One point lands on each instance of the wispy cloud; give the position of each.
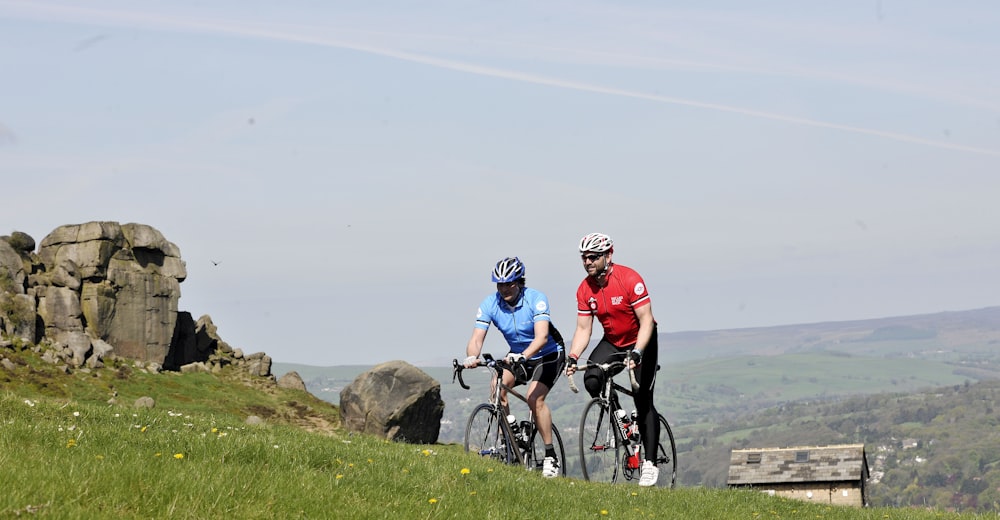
(319, 36)
(90, 42)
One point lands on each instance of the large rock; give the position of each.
(293, 381)
(17, 310)
(395, 401)
(12, 273)
(126, 280)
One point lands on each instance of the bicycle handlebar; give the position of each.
(457, 368)
(456, 372)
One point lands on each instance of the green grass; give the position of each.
(67, 452)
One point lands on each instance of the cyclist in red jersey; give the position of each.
(617, 296)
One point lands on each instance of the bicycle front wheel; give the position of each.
(666, 455)
(600, 447)
(486, 437)
(536, 453)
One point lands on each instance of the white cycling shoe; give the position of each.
(648, 474)
(550, 467)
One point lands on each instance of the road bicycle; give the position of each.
(610, 442)
(490, 434)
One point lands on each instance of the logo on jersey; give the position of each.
(639, 288)
(540, 306)
(617, 300)
(479, 313)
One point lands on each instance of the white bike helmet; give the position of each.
(508, 270)
(596, 243)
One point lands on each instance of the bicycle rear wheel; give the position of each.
(535, 456)
(485, 436)
(666, 455)
(600, 446)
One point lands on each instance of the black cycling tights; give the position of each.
(645, 375)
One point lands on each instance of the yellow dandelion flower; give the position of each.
(604, 512)
(100, 457)
(427, 453)
(70, 443)
(143, 429)
(339, 476)
(178, 456)
(466, 471)
(351, 465)
(215, 430)
(472, 493)
(433, 501)
(159, 454)
(490, 470)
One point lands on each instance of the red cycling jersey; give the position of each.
(614, 304)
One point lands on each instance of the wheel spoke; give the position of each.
(484, 435)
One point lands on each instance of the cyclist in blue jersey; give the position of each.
(536, 350)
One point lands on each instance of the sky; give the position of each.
(341, 177)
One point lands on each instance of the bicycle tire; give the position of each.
(666, 461)
(600, 443)
(485, 436)
(535, 455)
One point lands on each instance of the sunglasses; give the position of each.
(591, 257)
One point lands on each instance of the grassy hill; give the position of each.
(75, 445)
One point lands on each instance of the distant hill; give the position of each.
(946, 335)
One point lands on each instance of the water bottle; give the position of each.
(634, 427)
(525, 431)
(623, 417)
(512, 421)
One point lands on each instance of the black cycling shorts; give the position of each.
(545, 369)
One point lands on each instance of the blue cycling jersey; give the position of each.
(517, 324)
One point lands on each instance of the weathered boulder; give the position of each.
(17, 307)
(293, 381)
(395, 401)
(22, 242)
(126, 283)
(11, 269)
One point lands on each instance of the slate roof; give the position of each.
(838, 463)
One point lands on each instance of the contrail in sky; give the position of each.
(272, 32)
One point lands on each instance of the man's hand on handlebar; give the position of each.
(634, 358)
(471, 362)
(570, 366)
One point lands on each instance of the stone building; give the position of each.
(826, 474)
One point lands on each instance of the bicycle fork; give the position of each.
(630, 446)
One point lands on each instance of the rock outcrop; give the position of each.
(395, 401)
(102, 288)
(118, 283)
